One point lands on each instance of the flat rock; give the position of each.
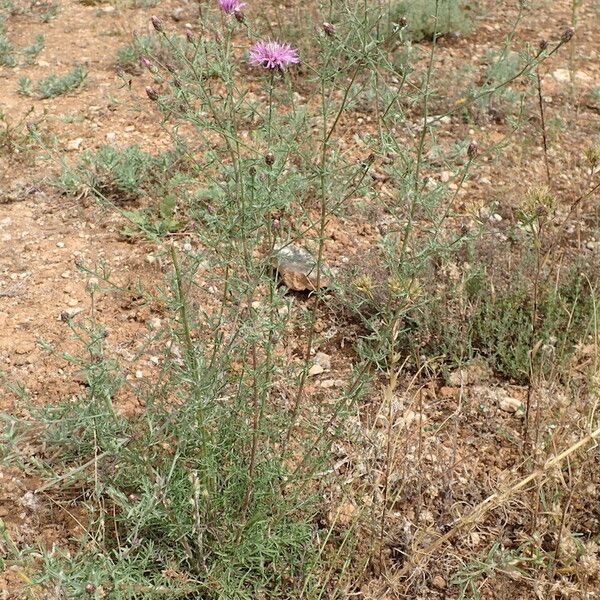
(298, 269)
(474, 373)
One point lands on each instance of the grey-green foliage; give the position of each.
(7, 49)
(167, 491)
(128, 57)
(56, 85)
(453, 17)
(32, 51)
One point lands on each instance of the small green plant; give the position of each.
(7, 49)
(120, 176)
(128, 57)
(25, 86)
(57, 85)
(421, 23)
(32, 51)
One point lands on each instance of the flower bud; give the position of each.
(156, 23)
(90, 588)
(152, 94)
(329, 29)
(567, 34)
(189, 34)
(543, 45)
(269, 159)
(145, 63)
(239, 16)
(473, 150)
(402, 22)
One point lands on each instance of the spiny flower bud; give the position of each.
(239, 16)
(152, 94)
(145, 63)
(189, 34)
(329, 29)
(90, 588)
(402, 22)
(156, 23)
(269, 159)
(567, 34)
(543, 45)
(473, 150)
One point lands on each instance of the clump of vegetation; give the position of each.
(7, 49)
(128, 57)
(120, 175)
(32, 51)
(180, 512)
(420, 17)
(57, 85)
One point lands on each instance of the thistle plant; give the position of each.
(213, 490)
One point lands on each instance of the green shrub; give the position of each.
(420, 16)
(56, 85)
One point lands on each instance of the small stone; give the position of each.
(177, 15)
(24, 347)
(72, 302)
(323, 360)
(343, 515)
(75, 144)
(139, 374)
(471, 374)
(65, 274)
(447, 391)
(445, 176)
(154, 323)
(111, 136)
(509, 404)
(439, 582)
(43, 63)
(315, 370)
(298, 269)
(60, 244)
(129, 128)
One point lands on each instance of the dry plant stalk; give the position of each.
(489, 504)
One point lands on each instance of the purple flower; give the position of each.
(231, 6)
(273, 55)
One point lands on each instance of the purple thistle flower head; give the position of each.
(273, 55)
(231, 6)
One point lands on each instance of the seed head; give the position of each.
(473, 150)
(269, 159)
(329, 29)
(152, 94)
(567, 34)
(273, 55)
(156, 23)
(402, 22)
